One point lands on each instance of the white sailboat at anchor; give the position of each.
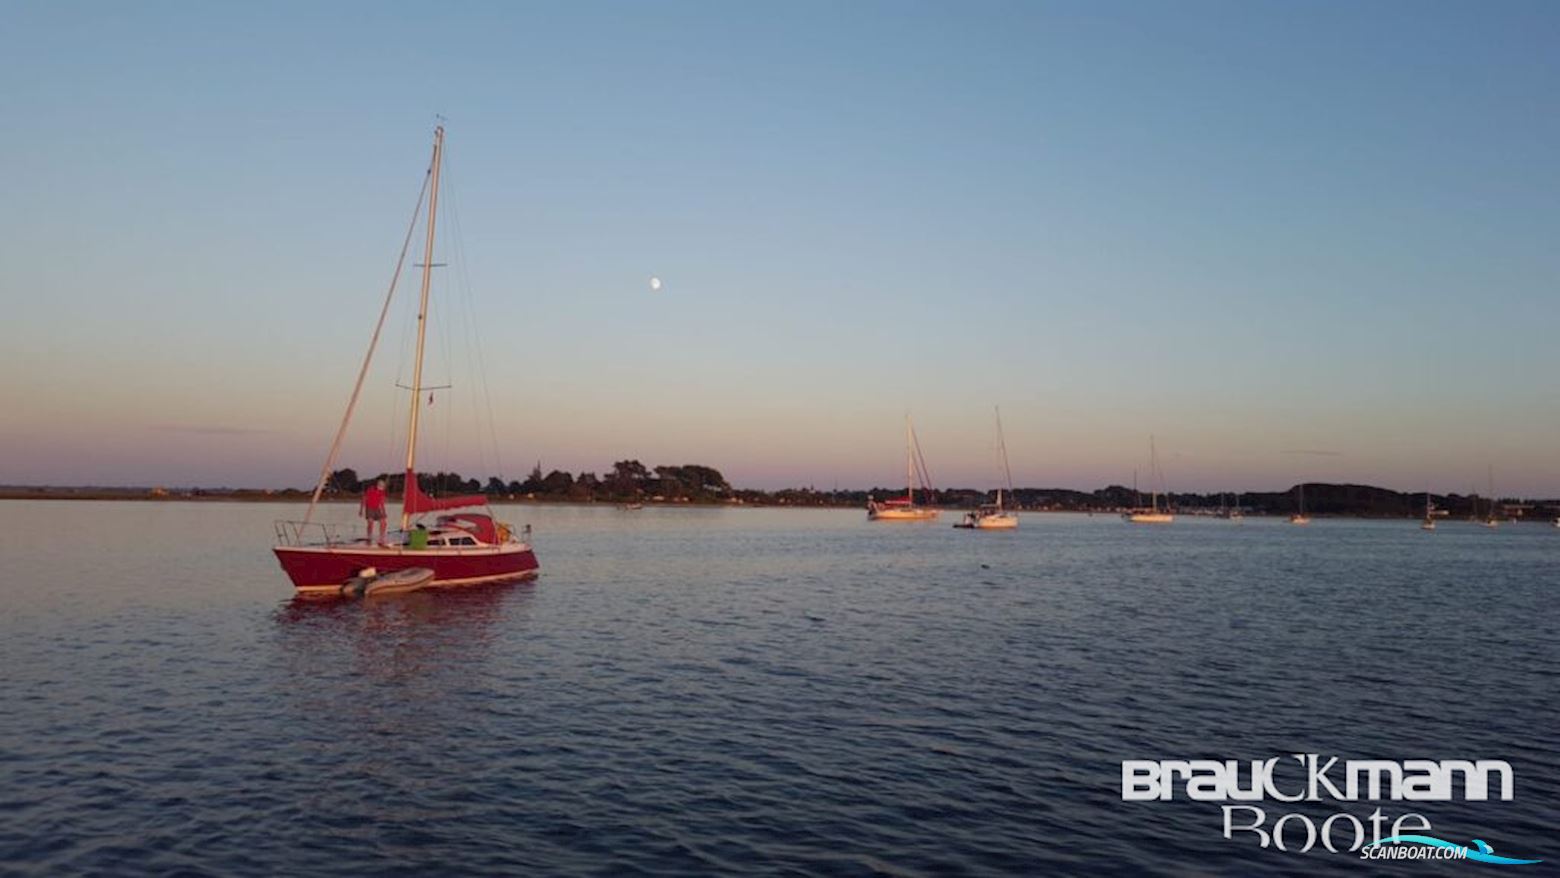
(905, 508)
(1490, 521)
(994, 516)
(1153, 514)
(1299, 516)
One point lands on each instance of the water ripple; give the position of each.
(755, 691)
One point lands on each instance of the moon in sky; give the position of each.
(655, 284)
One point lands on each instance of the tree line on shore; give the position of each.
(629, 481)
(626, 481)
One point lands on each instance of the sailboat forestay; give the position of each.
(463, 548)
(994, 516)
(905, 508)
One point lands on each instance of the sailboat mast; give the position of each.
(422, 329)
(1007, 473)
(1153, 470)
(909, 462)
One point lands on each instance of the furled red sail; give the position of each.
(417, 502)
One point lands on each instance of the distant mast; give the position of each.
(1007, 472)
(422, 332)
(1153, 470)
(1490, 520)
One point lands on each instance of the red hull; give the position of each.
(324, 569)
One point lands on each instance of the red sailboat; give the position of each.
(462, 548)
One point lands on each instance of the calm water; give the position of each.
(770, 691)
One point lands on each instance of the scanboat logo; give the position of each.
(1443, 850)
(1310, 779)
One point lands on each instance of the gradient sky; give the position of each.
(1248, 228)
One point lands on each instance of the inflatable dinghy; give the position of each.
(369, 582)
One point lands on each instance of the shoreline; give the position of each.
(302, 497)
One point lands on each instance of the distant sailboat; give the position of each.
(1232, 512)
(1429, 522)
(1299, 516)
(1151, 515)
(905, 508)
(994, 516)
(1490, 520)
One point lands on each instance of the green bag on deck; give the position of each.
(417, 539)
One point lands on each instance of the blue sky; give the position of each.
(1247, 228)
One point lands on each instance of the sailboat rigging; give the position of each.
(1490, 520)
(1151, 515)
(461, 549)
(905, 508)
(994, 516)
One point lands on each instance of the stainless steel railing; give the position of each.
(299, 533)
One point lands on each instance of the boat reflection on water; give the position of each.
(419, 634)
(369, 694)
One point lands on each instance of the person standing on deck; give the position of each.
(373, 509)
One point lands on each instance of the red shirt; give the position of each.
(374, 497)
